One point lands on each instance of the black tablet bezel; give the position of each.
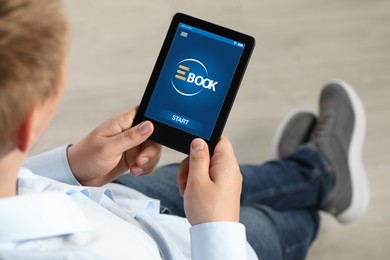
(175, 138)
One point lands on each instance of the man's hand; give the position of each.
(113, 148)
(211, 187)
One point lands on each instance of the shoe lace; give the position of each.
(320, 128)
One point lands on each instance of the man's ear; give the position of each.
(25, 134)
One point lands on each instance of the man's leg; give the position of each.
(301, 180)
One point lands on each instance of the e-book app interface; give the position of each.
(194, 80)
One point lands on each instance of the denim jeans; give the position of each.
(279, 201)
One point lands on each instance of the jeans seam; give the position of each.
(293, 247)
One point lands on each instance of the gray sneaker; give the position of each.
(339, 135)
(294, 130)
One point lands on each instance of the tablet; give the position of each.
(194, 82)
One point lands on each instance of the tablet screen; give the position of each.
(194, 80)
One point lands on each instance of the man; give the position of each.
(52, 207)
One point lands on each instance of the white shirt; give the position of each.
(55, 218)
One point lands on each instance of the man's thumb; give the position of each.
(133, 137)
(199, 164)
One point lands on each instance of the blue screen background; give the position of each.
(201, 110)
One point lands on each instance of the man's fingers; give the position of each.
(223, 161)
(147, 158)
(149, 155)
(183, 171)
(223, 152)
(183, 175)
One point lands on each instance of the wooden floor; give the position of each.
(300, 45)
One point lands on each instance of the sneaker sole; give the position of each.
(360, 189)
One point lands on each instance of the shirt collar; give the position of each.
(39, 215)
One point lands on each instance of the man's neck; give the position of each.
(10, 164)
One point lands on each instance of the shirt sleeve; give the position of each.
(218, 240)
(52, 164)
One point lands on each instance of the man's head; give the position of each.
(33, 46)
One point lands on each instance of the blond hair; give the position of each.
(33, 43)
